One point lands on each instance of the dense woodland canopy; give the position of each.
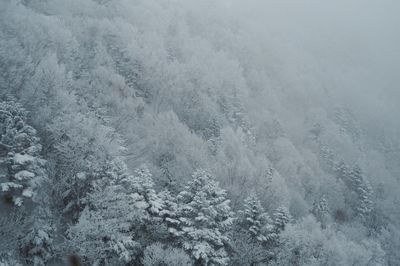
(171, 132)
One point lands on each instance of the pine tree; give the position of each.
(255, 220)
(363, 191)
(280, 218)
(354, 179)
(23, 168)
(142, 182)
(169, 213)
(205, 218)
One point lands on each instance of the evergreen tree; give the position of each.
(24, 177)
(281, 218)
(142, 182)
(169, 213)
(354, 179)
(255, 220)
(205, 218)
(364, 192)
(22, 170)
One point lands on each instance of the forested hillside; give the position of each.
(186, 132)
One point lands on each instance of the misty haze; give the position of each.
(199, 132)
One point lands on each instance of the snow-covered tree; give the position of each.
(359, 187)
(169, 212)
(306, 243)
(103, 236)
(255, 220)
(102, 233)
(321, 210)
(364, 191)
(7, 260)
(22, 169)
(205, 218)
(246, 251)
(142, 183)
(24, 177)
(36, 247)
(189, 84)
(74, 196)
(12, 226)
(118, 211)
(157, 254)
(80, 147)
(281, 218)
(240, 119)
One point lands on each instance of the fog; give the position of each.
(348, 48)
(185, 132)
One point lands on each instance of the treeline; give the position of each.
(116, 217)
(107, 215)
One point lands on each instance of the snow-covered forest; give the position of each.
(199, 132)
